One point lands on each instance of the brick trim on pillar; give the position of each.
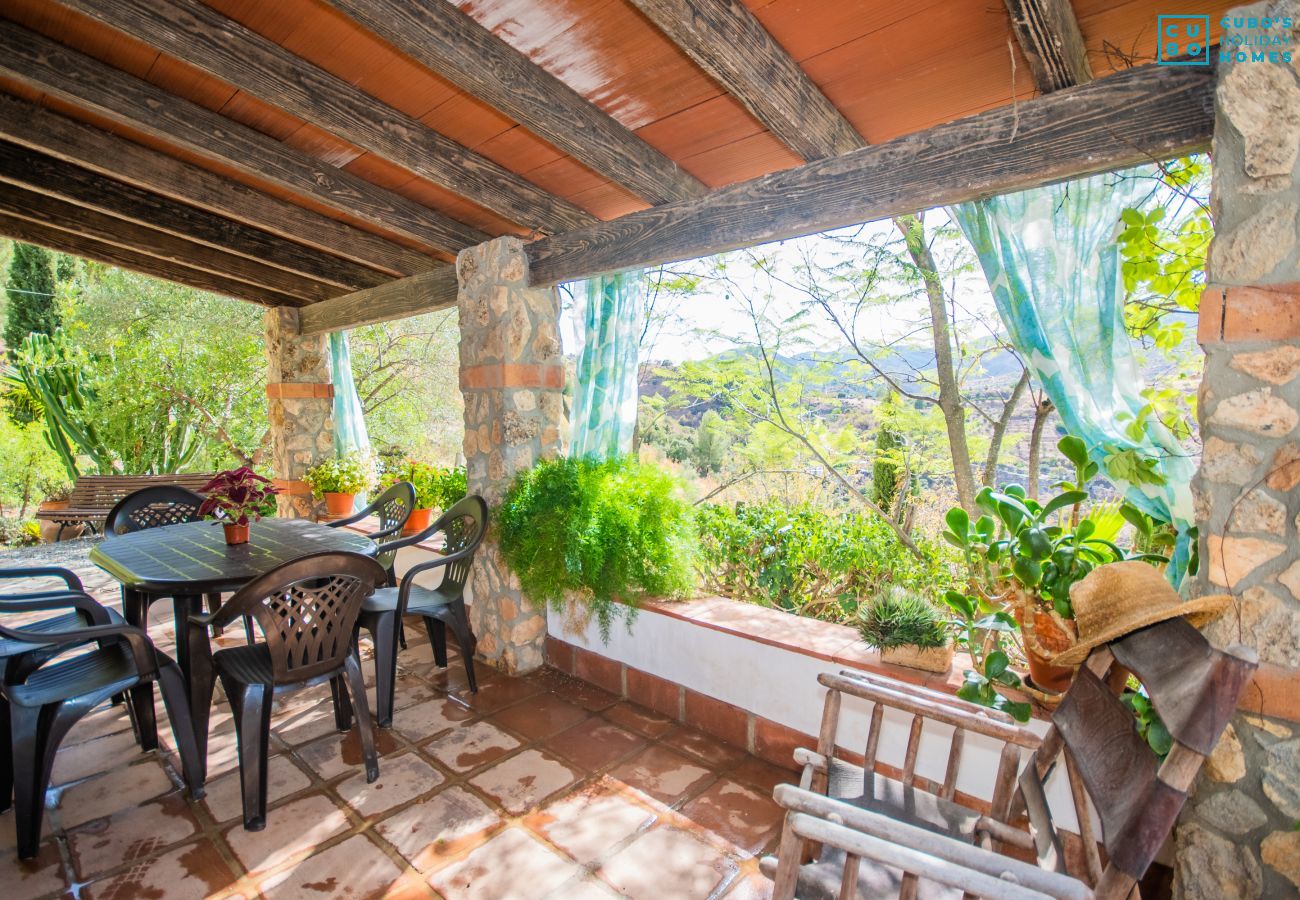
(300, 406)
(511, 375)
(1238, 832)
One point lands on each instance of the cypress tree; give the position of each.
(885, 470)
(30, 289)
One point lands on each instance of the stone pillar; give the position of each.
(300, 400)
(1237, 837)
(512, 375)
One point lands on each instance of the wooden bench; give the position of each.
(93, 496)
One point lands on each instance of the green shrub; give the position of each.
(612, 531)
(352, 473)
(810, 561)
(19, 532)
(899, 618)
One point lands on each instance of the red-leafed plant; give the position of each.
(237, 496)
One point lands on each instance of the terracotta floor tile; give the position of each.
(587, 824)
(78, 761)
(662, 773)
(301, 724)
(112, 792)
(290, 830)
(511, 865)
(471, 746)
(454, 680)
(408, 692)
(740, 814)
(104, 720)
(750, 886)
(354, 868)
(583, 693)
(140, 832)
(667, 862)
(595, 744)
(437, 828)
(22, 880)
(198, 867)
(432, 717)
(496, 694)
(639, 719)
(589, 889)
(283, 778)
(519, 783)
(706, 748)
(340, 753)
(402, 777)
(761, 775)
(540, 717)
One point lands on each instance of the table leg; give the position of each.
(194, 654)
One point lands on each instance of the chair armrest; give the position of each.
(69, 577)
(142, 648)
(408, 578)
(925, 853)
(83, 603)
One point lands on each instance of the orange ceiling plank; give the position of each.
(746, 158)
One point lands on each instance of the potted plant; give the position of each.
(426, 479)
(339, 480)
(57, 495)
(907, 630)
(235, 498)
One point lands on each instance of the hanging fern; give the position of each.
(610, 531)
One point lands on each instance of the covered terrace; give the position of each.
(343, 162)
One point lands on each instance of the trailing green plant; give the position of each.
(608, 531)
(351, 473)
(809, 561)
(901, 618)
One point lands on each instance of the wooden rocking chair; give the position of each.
(870, 843)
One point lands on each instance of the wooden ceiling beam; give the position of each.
(44, 210)
(75, 78)
(1135, 116)
(419, 294)
(239, 56)
(1048, 33)
(96, 150)
(78, 245)
(54, 178)
(726, 40)
(441, 37)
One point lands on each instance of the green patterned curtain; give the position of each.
(349, 420)
(605, 393)
(1052, 263)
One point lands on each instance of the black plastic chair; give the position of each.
(307, 610)
(155, 507)
(393, 507)
(37, 713)
(464, 526)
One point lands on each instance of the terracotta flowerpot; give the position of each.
(235, 534)
(927, 659)
(1043, 634)
(419, 520)
(340, 504)
(50, 530)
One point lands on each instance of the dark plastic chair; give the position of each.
(307, 610)
(37, 713)
(393, 507)
(154, 507)
(381, 614)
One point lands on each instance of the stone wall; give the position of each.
(512, 376)
(1238, 837)
(300, 402)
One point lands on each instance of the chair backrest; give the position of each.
(153, 507)
(1194, 688)
(393, 507)
(464, 526)
(307, 610)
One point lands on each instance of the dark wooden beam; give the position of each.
(727, 41)
(441, 37)
(423, 293)
(73, 184)
(78, 79)
(65, 242)
(96, 150)
(1048, 33)
(1135, 116)
(204, 38)
(166, 248)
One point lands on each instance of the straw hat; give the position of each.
(1119, 598)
